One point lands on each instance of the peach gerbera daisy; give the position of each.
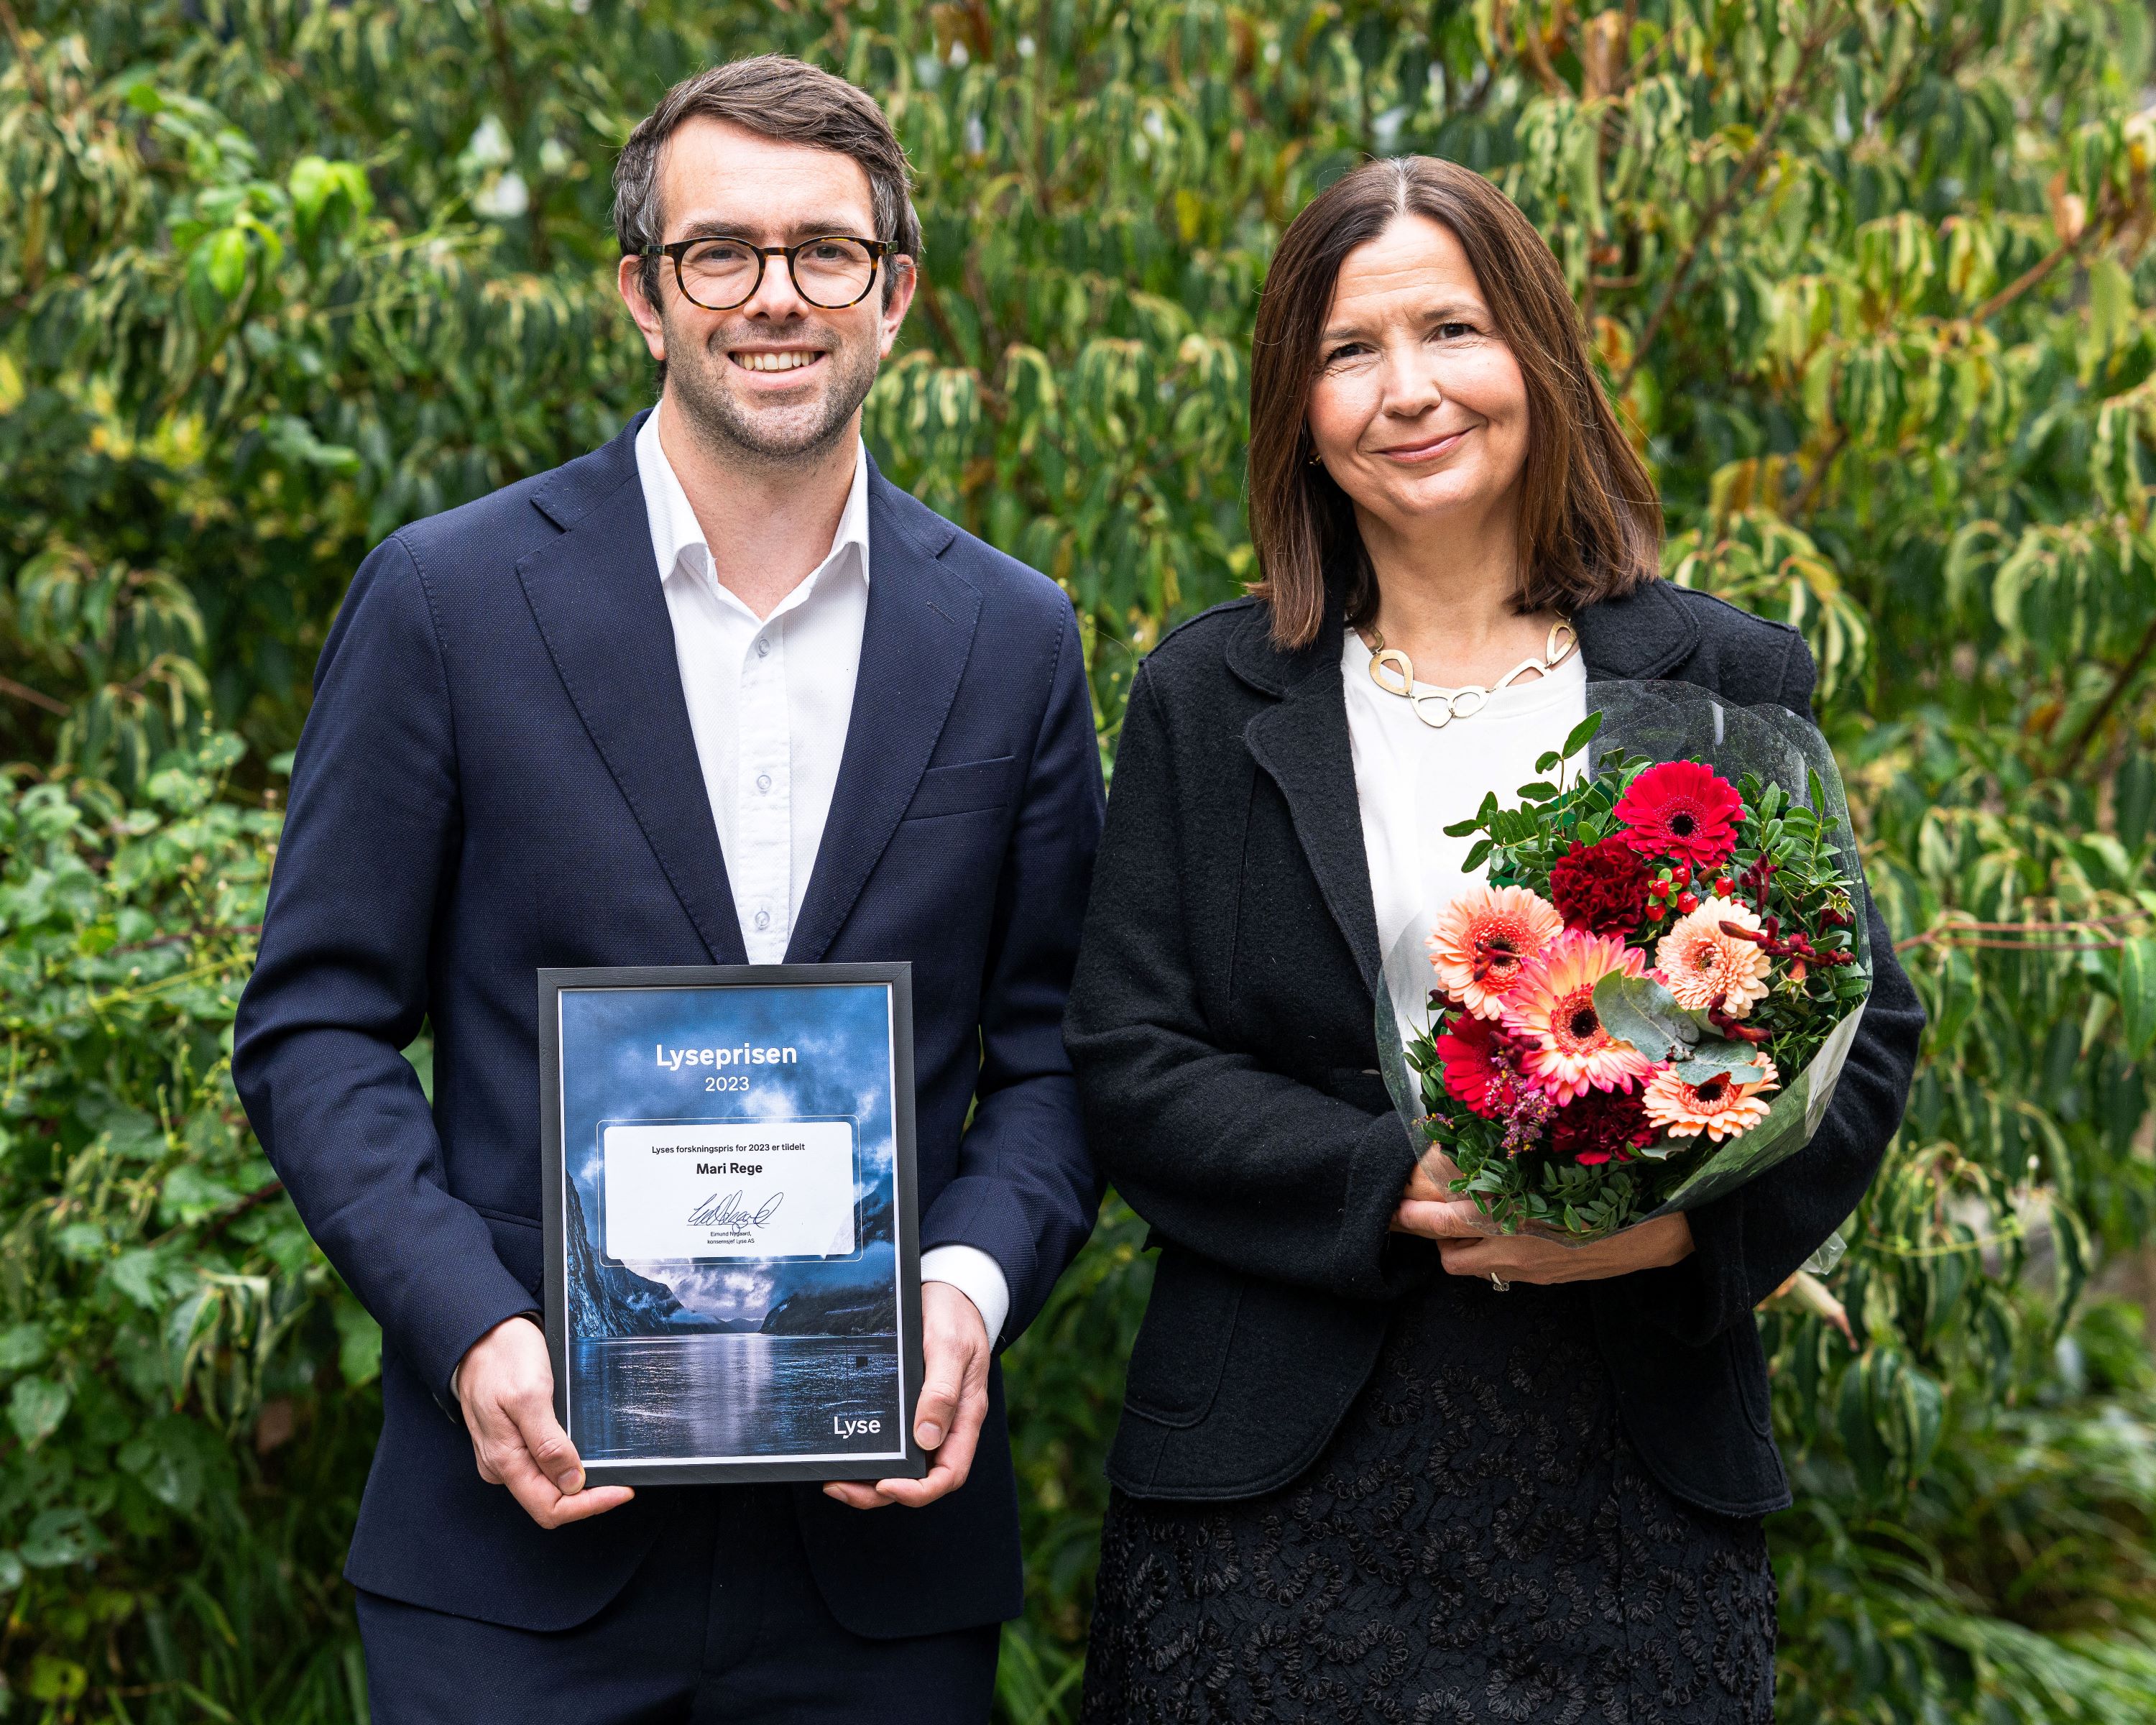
(1719, 1108)
(1482, 939)
(1551, 1009)
(1704, 966)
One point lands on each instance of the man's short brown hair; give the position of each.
(775, 97)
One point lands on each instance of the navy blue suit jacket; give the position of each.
(498, 774)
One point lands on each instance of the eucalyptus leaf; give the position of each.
(1713, 1057)
(1640, 1010)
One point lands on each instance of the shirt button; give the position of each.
(763, 919)
(763, 781)
(763, 648)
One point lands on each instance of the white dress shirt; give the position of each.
(1413, 781)
(769, 700)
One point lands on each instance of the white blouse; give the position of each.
(1414, 781)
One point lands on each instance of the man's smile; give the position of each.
(774, 359)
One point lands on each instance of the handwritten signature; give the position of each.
(729, 1212)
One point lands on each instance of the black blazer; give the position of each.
(1221, 1024)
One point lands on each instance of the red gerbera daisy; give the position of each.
(1599, 1125)
(1601, 888)
(1481, 1069)
(1681, 809)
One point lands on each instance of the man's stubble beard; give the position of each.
(716, 417)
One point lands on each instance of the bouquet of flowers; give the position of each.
(1649, 1001)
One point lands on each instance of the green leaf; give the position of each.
(2137, 994)
(2134, 793)
(226, 262)
(36, 1408)
(1714, 1057)
(1581, 735)
(359, 1343)
(2111, 302)
(59, 1535)
(22, 1346)
(139, 1276)
(167, 1456)
(1640, 1010)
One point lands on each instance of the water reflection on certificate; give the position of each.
(732, 1273)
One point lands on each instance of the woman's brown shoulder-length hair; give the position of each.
(1590, 525)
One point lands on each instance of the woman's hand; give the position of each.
(1471, 1246)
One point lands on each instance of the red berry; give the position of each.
(1687, 902)
(1682, 874)
(1725, 888)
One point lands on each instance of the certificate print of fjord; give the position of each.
(730, 1186)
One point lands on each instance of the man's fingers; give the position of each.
(546, 1444)
(938, 1405)
(551, 1508)
(954, 1460)
(856, 1494)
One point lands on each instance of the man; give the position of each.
(715, 693)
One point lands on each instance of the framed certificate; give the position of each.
(732, 1259)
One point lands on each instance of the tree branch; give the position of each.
(1802, 502)
(31, 80)
(2121, 680)
(2097, 226)
(1754, 158)
(22, 691)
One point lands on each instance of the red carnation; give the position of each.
(1601, 888)
(1481, 1070)
(1600, 1124)
(1682, 809)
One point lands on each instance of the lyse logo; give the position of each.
(845, 1425)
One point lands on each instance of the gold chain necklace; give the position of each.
(1450, 704)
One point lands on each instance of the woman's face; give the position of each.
(1419, 410)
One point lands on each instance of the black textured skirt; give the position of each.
(1478, 1542)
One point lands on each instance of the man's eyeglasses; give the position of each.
(831, 272)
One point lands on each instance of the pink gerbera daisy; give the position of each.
(1705, 965)
(1551, 1009)
(1482, 939)
(1719, 1108)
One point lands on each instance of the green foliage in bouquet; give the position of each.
(1870, 282)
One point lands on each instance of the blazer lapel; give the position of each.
(595, 593)
(921, 616)
(1303, 745)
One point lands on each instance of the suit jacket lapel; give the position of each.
(921, 616)
(595, 593)
(1303, 745)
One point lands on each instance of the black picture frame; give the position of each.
(910, 1462)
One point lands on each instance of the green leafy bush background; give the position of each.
(1869, 280)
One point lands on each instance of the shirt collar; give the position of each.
(675, 528)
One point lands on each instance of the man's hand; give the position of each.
(506, 1386)
(954, 1402)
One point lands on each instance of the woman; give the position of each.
(1372, 1463)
